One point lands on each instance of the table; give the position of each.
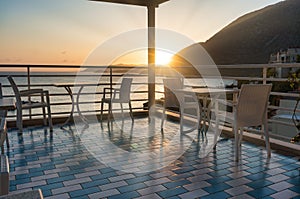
(214, 94)
(67, 87)
(204, 94)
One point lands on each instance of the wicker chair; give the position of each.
(249, 110)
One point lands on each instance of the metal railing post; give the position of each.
(265, 69)
(28, 87)
(110, 81)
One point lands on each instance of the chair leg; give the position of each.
(236, 145)
(44, 116)
(267, 140)
(101, 111)
(49, 112)
(7, 141)
(163, 119)
(121, 105)
(181, 120)
(19, 120)
(50, 118)
(109, 112)
(130, 111)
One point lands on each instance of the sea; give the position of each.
(46, 80)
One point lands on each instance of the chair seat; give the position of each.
(34, 105)
(109, 100)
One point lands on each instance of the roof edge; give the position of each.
(145, 3)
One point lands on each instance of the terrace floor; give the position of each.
(98, 163)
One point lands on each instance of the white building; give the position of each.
(291, 55)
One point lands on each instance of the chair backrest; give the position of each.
(171, 84)
(287, 103)
(252, 104)
(16, 91)
(125, 89)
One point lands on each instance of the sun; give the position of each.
(163, 58)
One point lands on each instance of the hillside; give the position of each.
(253, 37)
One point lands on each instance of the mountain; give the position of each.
(253, 37)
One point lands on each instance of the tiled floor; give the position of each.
(67, 165)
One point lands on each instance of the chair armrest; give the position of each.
(105, 91)
(31, 92)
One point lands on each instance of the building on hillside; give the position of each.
(291, 55)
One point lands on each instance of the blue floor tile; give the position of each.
(172, 192)
(258, 176)
(81, 175)
(130, 188)
(94, 183)
(218, 180)
(296, 189)
(138, 179)
(261, 192)
(60, 179)
(217, 195)
(84, 192)
(217, 188)
(174, 184)
(128, 195)
(104, 176)
(259, 183)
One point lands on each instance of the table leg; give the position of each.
(69, 90)
(205, 113)
(78, 109)
(73, 103)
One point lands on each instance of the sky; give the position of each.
(66, 32)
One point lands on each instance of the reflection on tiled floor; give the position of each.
(66, 166)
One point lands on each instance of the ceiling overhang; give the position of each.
(146, 3)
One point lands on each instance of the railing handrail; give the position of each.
(261, 78)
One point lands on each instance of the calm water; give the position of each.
(49, 81)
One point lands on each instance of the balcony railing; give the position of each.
(45, 76)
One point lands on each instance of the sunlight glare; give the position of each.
(163, 58)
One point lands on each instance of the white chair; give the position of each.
(21, 105)
(117, 95)
(3, 127)
(182, 102)
(249, 110)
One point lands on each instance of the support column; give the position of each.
(151, 56)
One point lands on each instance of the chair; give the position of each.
(117, 95)
(3, 127)
(178, 101)
(21, 105)
(249, 110)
